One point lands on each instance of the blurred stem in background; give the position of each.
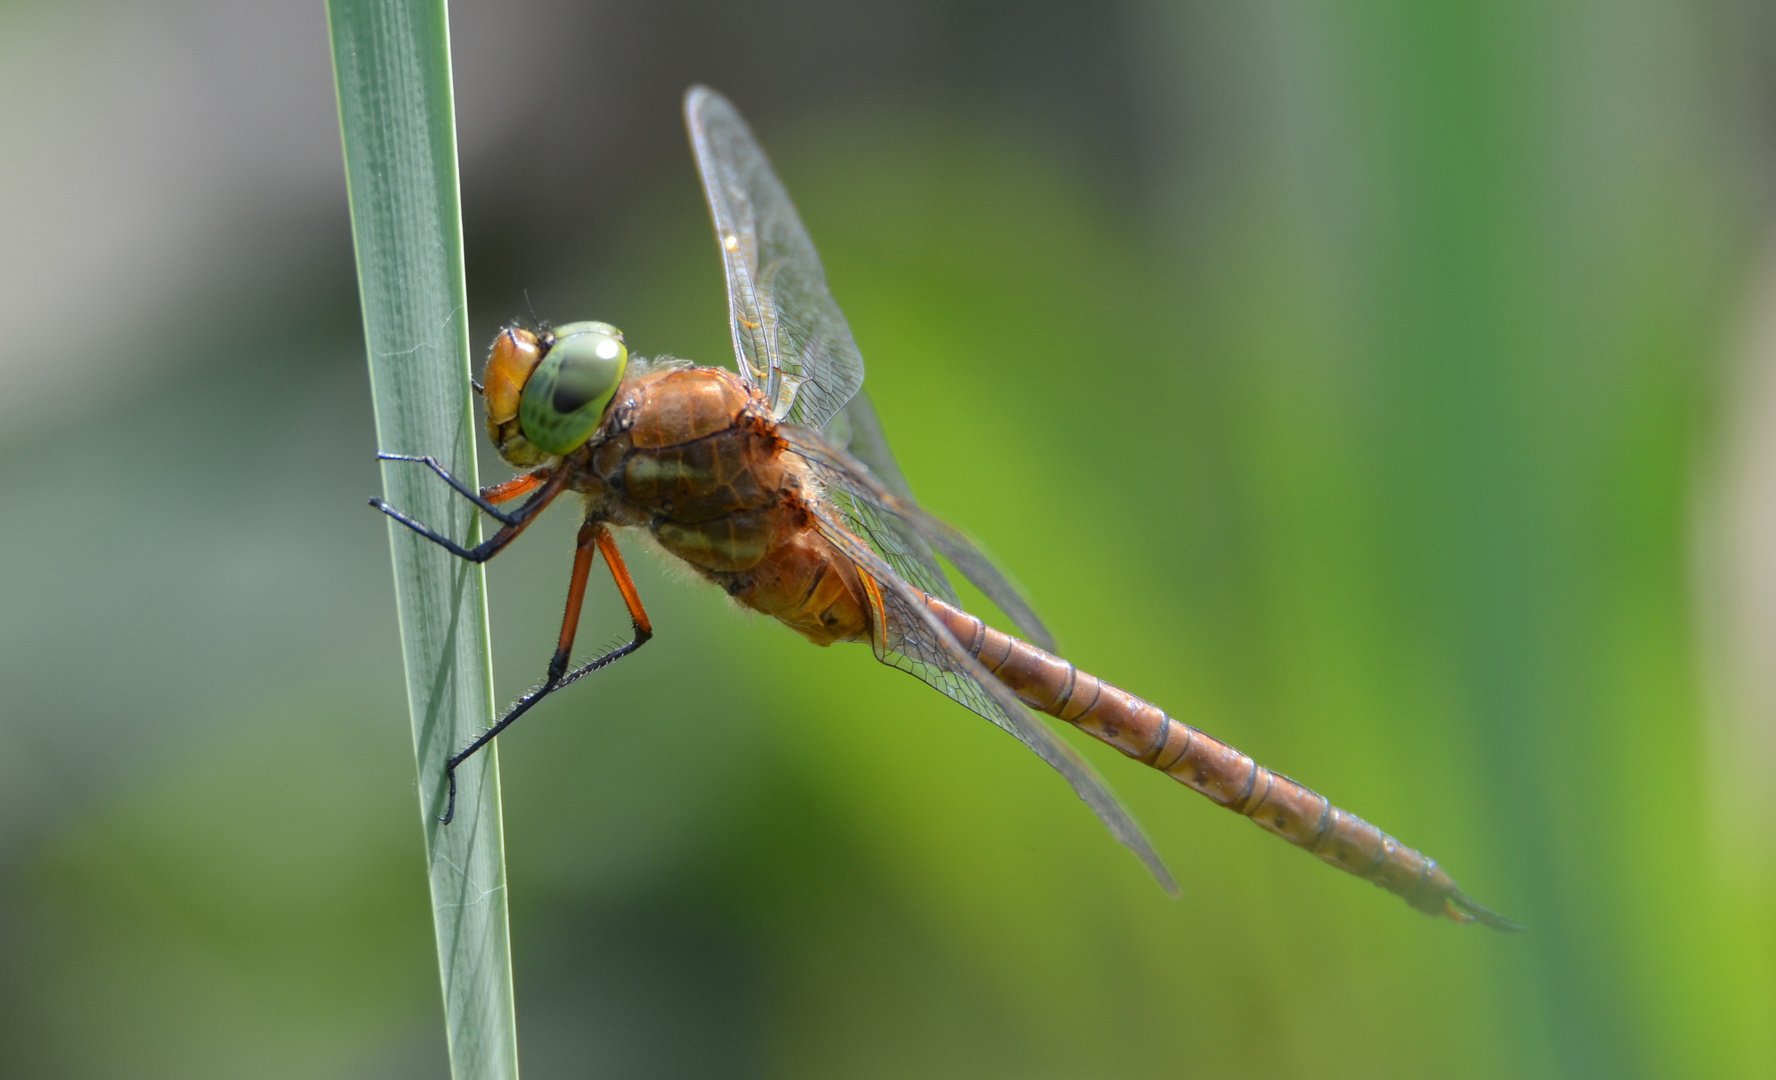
(392, 65)
(1476, 263)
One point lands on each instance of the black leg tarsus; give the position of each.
(641, 638)
(449, 803)
(487, 549)
(478, 554)
(456, 485)
(592, 534)
(549, 686)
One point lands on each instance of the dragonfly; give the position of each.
(774, 482)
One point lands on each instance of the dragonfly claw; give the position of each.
(450, 802)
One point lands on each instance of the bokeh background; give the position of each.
(1388, 388)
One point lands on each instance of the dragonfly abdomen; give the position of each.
(1207, 765)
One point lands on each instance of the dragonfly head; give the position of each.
(546, 393)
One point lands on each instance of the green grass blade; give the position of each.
(391, 62)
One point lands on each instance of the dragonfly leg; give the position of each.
(511, 489)
(593, 536)
(522, 484)
(515, 522)
(638, 616)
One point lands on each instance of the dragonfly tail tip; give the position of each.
(1464, 908)
(1164, 876)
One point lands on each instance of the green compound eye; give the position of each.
(566, 395)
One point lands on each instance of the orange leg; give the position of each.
(625, 585)
(593, 535)
(576, 599)
(522, 484)
(638, 616)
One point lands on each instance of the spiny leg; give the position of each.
(593, 534)
(570, 624)
(515, 522)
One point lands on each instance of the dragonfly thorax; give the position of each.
(692, 455)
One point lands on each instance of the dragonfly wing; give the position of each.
(845, 493)
(910, 638)
(885, 509)
(859, 430)
(790, 339)
(868, 444)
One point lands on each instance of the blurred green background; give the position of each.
(1383, 388)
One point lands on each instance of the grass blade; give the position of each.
(391, 62)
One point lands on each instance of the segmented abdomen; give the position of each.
(1205, 764)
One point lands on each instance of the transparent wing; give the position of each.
(863, 436)
(790, 339)
(905, 533)
(847, 492)
(859, 430)
(911, 638)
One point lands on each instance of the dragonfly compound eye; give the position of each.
(566, 395)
